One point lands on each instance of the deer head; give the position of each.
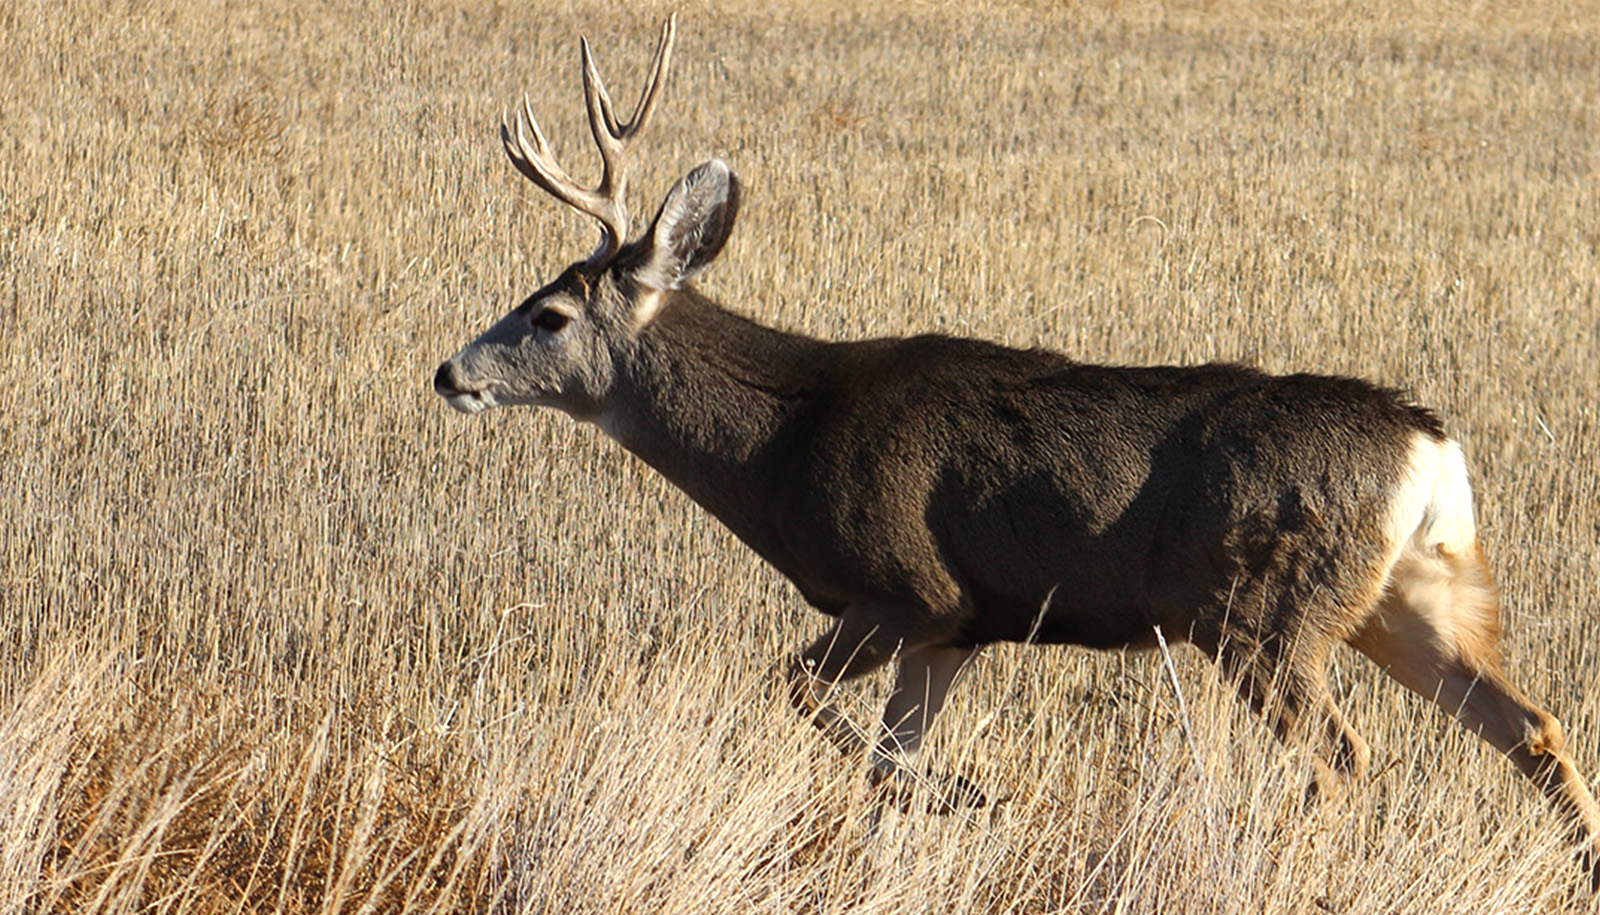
(564, 345)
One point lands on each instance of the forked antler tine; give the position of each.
(536, 162)
(601, 109)
(521, 154)
(611, 135)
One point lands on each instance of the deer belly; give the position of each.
(1057, 618)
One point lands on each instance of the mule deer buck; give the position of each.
(933, 495)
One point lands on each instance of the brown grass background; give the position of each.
(280, 633)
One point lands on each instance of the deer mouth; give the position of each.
(471, 402)
(462, 396)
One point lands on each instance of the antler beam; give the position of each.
(607, 201)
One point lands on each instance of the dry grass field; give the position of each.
(279, 632)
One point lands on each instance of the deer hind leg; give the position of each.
(1437, 631)
(1287, 685)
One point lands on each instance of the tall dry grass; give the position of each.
(281, 634)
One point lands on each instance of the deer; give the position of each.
(935, 494)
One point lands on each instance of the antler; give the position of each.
(606, 202)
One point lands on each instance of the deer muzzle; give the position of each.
(459, 392)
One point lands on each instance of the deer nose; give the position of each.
(445, 382)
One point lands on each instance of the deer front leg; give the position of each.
(851, 648)
(921, 684)
(858, 644)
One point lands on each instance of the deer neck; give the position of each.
(708, 399)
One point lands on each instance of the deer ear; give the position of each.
(691, 228)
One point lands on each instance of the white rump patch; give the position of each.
(1432, 509)
(1439, 599)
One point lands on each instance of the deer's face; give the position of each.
(558, 348)
(566, 344)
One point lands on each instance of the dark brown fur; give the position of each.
(1124, 498)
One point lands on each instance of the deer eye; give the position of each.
(550, 320)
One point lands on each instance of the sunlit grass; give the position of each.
(283, 634)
